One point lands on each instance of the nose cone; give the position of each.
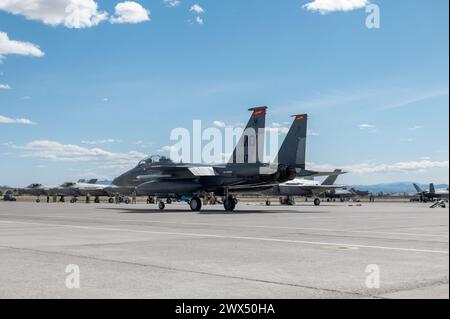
(128, 178)
(120, 180)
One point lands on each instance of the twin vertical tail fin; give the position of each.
(250, 148)
(293, 150)
(330, 180)
(418, 189)
(432, 189)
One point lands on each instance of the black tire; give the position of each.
(111, 200)
(229, 204)
(317, 202)
(38, 200)
(268, 203)
(161, 205)
(169, 201)
(127, 201)
(195, 204)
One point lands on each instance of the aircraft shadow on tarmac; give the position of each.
(210, 212)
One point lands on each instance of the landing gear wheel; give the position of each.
(97, 200)
(268, 203)
(161, 205)
(169, 201)
(111, 200)
(317, 201)
(229, 204)
(38, 200)
(195, 204)
(127, 201)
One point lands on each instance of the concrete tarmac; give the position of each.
(337, 250)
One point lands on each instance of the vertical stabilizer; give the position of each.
(250, 148)
(293, 150)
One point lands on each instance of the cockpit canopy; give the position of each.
(68, 184)
(35, 185)
(155, 159)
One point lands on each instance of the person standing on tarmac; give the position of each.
(133, 197)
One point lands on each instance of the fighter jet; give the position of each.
(305, 187)
(35, 189)
(161, 178)
(431, 194)
(344, 193)
(81, 188)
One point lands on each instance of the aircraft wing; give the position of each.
(318, 189)
(250, 188)
(183, 171)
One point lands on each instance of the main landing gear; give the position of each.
(195, 204)
(229, 204)
(317, 201)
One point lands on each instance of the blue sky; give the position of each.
(87, 97)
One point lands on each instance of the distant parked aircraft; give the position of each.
(431, 194)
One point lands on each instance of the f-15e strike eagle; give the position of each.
(245, 172)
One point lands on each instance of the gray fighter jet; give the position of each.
(431, 194)
(305, 187)
(161, 178)
(80, 188)
(35, 189)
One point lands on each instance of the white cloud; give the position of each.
(130, 12)
(143, 144)
(197, 9)
(52, 150)
(4, 87)
(70, 13)
(8, 120)
(95, 142)
(8, 46)
(199, 20)
(105, 99)
(366, 126)
(407, 140)
(219, 124)
(172, 3)
(415, 128)
(370, 168)
(327, 6)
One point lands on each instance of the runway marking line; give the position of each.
(252, 226)
(234, 237)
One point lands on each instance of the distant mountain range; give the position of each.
(399, 187)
